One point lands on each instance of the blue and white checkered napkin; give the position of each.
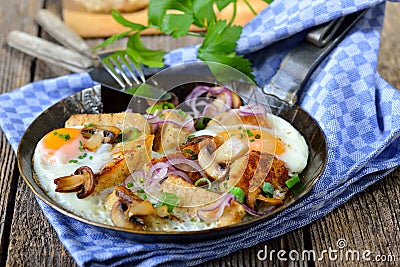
(358, 111)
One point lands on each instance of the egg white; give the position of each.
(296, 150)
(92, 207)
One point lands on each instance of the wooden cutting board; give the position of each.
(91, 25)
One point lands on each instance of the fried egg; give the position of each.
(59, 153)
(281, 140)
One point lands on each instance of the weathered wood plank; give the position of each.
(389, 56)
(368, 222)
(15, 71)
(30, 233)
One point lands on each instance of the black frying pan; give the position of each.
(100, 99)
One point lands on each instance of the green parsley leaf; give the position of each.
(221, 4)
(124, 22)
(176, 24)
(168, 199)
(219, 44)
(238, 62)
(142, 55)
(109, 41)
(221, 37)
(203, 13)
(157, 10)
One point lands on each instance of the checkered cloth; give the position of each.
(358, 111)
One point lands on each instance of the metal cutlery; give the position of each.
(112, 69)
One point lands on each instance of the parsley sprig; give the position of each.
(174, 17)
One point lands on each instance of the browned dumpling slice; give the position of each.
(122, 120)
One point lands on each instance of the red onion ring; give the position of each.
(157, 172)
(181, 174)
(191, 163)
(199, 90)
(256, 213)
(251, 109)
(155, 120)
(218, 205)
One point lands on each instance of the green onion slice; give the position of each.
(203, 180)
(238, 193)
(268, 189)
(159, 106)
(295, 179)
(202, 123)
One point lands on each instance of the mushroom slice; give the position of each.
(82, 181)
(120, 219)
(231, 150)
(129, 210)
(109, 133)
(207, 161)
(94, 142)
(210, 158)
(136, 205)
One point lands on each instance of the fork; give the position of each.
(122, 68)
(117, 62)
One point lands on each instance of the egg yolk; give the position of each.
(257, 140)
(54, 140)
(62, 144)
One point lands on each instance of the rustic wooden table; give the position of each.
(369, 221)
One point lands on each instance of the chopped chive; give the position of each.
(257, 136)
(190, 136)
(64, 136)
(129, 185)
(140, 191)
(252, 140)
(91, 157)
(82, 156)
(55, 133)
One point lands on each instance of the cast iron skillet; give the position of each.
(100, 99)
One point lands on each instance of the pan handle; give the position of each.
(301, 61)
